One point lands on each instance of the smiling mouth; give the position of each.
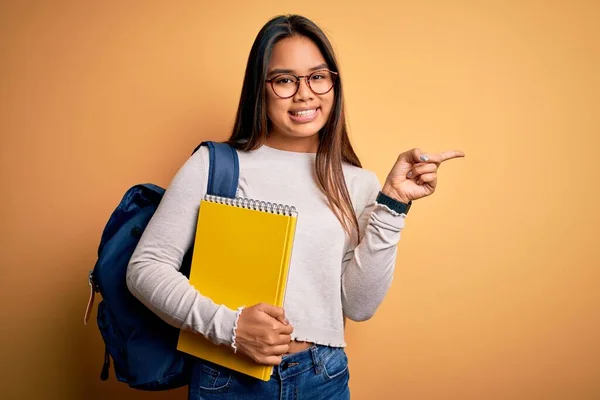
(304, 113)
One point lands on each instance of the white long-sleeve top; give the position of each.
(330, 275)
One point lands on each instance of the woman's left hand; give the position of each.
(415, 174)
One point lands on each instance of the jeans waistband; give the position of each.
(312, 358)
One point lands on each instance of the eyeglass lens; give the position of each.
(286, 85)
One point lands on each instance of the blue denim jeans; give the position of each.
(319, 372)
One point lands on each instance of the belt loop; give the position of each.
(314, 352)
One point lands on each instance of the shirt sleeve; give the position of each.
(368, 268)
(153, 274)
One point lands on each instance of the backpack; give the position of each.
(143, 346)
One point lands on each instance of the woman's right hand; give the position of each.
(263, 333)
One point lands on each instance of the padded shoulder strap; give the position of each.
(223, 173)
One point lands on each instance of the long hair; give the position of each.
(251, 123)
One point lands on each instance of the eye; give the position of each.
(321, 76)
(284, 80)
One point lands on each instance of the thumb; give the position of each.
(276, 312)
(412, 156)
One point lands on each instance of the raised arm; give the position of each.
(368, 269)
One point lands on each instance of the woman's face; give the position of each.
(299, 117)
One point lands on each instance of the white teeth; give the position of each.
(304, 113)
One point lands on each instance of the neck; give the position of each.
(298, 145)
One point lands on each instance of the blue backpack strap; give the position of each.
(223, 173)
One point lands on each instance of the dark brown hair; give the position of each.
(252, 125)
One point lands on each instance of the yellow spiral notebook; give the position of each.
(241, 257)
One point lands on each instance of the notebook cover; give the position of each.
(241, 258)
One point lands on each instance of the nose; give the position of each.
(304, 93)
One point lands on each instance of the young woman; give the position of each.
(294, 149)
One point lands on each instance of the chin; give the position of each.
(304, 134)
(305, 131)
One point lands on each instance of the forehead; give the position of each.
(296, 53)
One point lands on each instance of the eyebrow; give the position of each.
(291, 71)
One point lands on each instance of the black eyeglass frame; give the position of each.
(299, 77)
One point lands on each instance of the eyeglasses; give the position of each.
(286, 85)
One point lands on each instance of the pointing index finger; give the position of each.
(416, 156)
(448, 155)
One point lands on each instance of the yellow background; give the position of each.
(496, 291)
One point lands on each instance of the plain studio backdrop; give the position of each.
(495, 294)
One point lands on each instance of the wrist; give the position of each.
(397, 206)
(238, 314)
(389, 191)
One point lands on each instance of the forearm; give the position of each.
(369, 269)
(168, 293)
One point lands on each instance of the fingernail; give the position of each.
(287, 322)
(409, 174)
(424, 158)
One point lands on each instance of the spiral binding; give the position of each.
(252, 204)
